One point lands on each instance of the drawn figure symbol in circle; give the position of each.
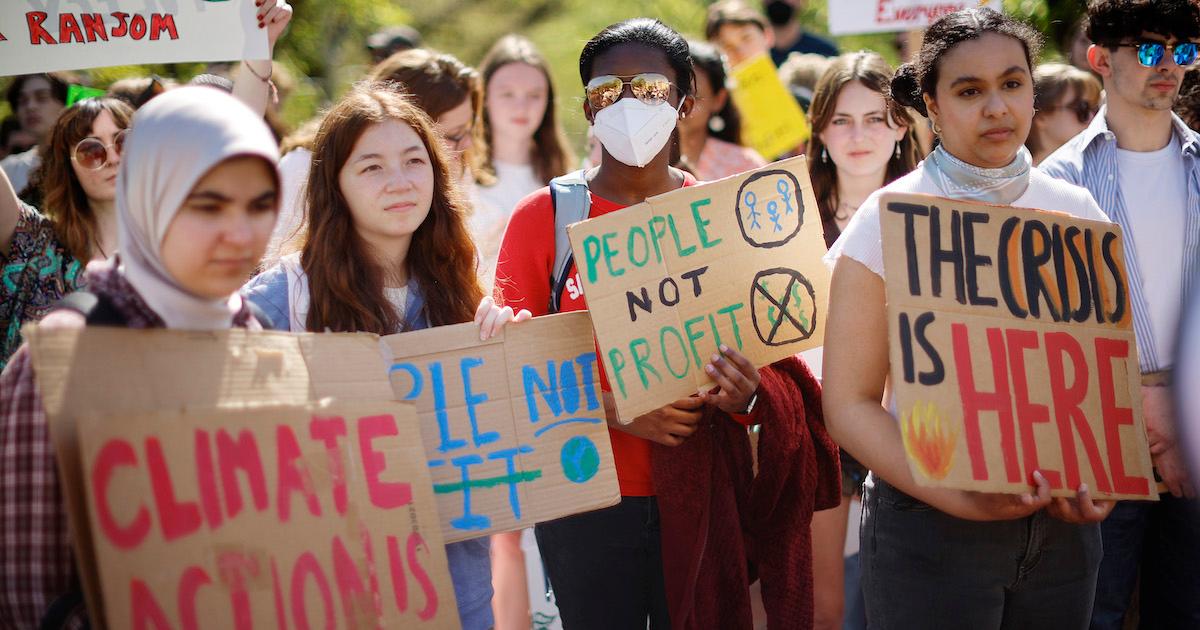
(784, 308)
(775, 194)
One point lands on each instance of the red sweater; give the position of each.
(722, 526)
(523, 281)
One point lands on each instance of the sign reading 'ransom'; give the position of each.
(1012, 349)
(38, 36)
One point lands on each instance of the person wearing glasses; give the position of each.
(608, 568)
(1065, 101)
(43, 255)
(1142, 164)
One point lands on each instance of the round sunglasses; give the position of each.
(650, 88)
(1149, 54)
(92, 154)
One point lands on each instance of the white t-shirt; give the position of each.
(1155, 189)
(492, 207)
(863, 241)
(19, 167)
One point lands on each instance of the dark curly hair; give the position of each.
(1111, 22)
(920, 76)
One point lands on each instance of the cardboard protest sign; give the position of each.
(849, 17)
(1012, 349)
(514, 427)
(734, 262)
(279, 516)
(133, 376)
(772, 122)
(40, 36)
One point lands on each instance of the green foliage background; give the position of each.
(323, 50)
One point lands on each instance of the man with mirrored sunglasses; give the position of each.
(1142, 164)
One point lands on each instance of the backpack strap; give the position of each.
(571, 202)
(97, 309)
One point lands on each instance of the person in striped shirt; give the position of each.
(1142, 164)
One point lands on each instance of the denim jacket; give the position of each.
(282, 293)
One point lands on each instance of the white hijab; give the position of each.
(173, 142)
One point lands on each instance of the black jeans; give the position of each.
(606, 567)
(923, 568)
(1163, 540)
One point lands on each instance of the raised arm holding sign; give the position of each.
(126, 32)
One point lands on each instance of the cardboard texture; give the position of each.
(286, 516)
(132, 376)
(514, 427)
(734, 262)
(1012, 349)
(849, 17)
(39, 36)
(772, 122)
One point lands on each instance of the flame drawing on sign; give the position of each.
(928, 440)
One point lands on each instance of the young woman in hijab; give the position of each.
(191, 226)
(387, 251)
(934, 557)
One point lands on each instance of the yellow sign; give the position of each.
(772, 122)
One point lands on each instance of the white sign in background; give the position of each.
(50, 35)
(850, 17)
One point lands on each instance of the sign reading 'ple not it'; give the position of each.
(735, 262)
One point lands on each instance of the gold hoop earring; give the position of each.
(937, 131)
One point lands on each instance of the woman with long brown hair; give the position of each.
(43, 253)
(857, 146)
(525, 147)
(386, 250)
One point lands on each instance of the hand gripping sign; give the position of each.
(514, 427)
(211, 481)
(734, 262)
(49, 35)
(1012, 349)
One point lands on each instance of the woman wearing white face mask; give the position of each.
(607, 566)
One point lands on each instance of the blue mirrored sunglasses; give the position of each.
(1149, 54)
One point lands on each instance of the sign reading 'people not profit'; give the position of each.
(40, 36)
(734, 262)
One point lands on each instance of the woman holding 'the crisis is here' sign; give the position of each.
(933, 556)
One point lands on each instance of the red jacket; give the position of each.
(722, 527)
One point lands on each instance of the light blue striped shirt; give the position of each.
(1090, 160)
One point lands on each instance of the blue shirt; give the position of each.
(470, 560)
(1090, 160)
